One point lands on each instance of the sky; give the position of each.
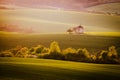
(52, 16)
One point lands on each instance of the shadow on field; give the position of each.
(36, 72)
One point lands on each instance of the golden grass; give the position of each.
(104, 33)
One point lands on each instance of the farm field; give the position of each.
(43, 69)
(9, 41)
(55, 21)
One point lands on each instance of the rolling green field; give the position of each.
(43, 69)
(8, 41)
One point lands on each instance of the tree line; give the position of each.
(110, 56)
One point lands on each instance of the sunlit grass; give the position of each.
(43, 69)
(44, 20)
(89, 40)
(65, 33)
(103, 33)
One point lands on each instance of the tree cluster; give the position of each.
(110, 56)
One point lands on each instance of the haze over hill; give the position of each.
(48, 21)
(51, 16)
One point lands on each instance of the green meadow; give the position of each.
(43, 69)
(11, 40)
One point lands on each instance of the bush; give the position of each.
(31, 50)
(22, 53)
(110, 56)
(83, 54)
(93, 58)
(6, 54)
(76, 55)
(39, 49)
(57, 56)
(54, 47)
(69, 50)
(19, 54)
(118, 51)
(54, 52)
(69, 54)
(14, 51)
(72, 57)
(112, 52)
(46, 50)
(43, 55)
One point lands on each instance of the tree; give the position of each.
(86, 53)
(113, 55)
(83, 54)
(23, 52)
(54, 47)
(55, 51)
(70, 54)
(93, 58)
(118, 51)
(46, 50)
(31, 50)
(19, 54)
(110, 56)
(39, 49)
(69, 50)
(112, 52)
(6, 54)
(16, 49)
(69, 31)
(105, 56)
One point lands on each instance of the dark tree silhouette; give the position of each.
(69, 31)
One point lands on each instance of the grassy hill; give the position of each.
(110, 8)
(41, 69)
(63, 4)
(48, 21)
(11, 40)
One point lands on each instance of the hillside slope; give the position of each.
(48, 21)
(40, 69)
(9, 41)
(111, 8)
